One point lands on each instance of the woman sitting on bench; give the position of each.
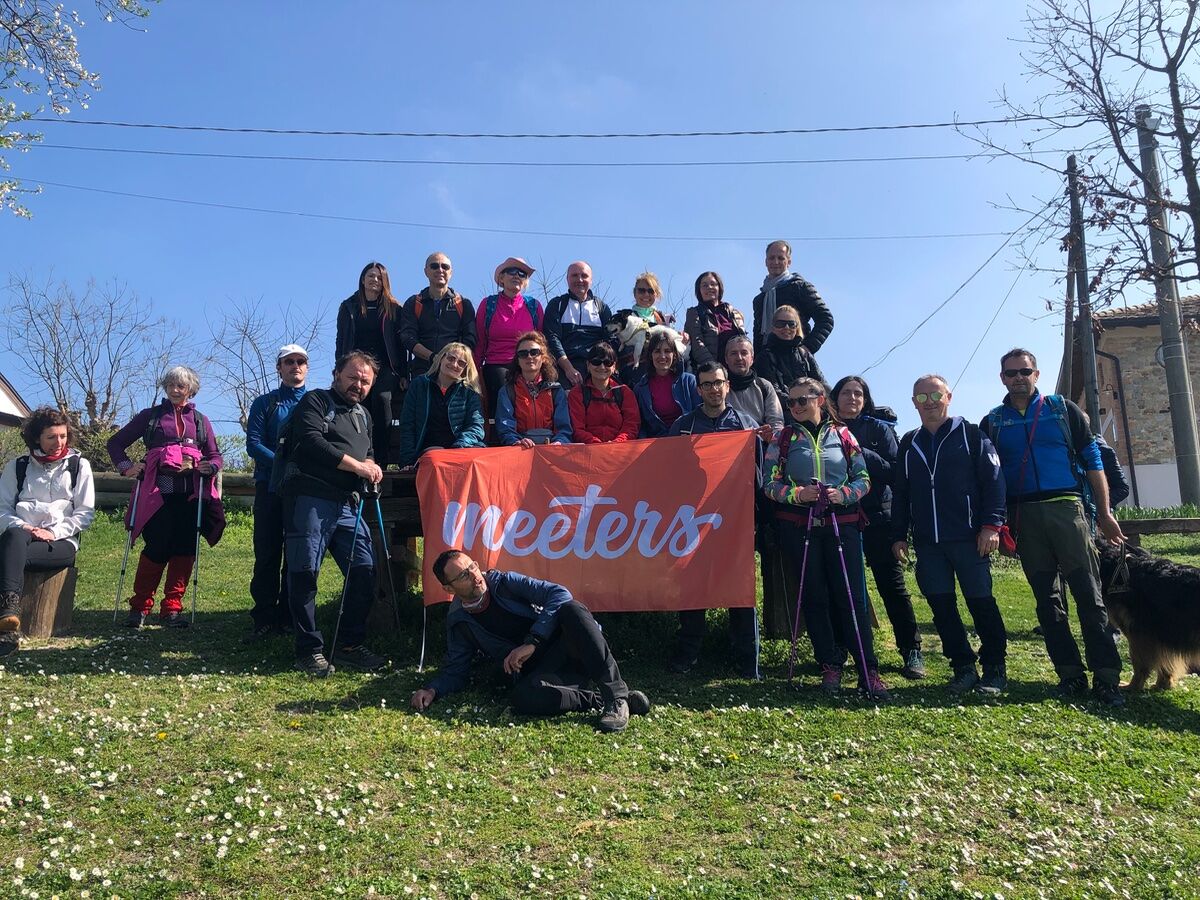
(47, 498)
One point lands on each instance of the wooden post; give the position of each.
(47, 602)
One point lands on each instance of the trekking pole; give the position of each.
(196, 550)
(356, 500)
(133, 505)
(862, 656)
(812, 513)
(372, 490)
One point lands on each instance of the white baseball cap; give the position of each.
(289, 349)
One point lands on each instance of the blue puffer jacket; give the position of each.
(262, 432)
(946, 485)
(1054, 467)
(685, 392)
(463, 408)
(530, 598)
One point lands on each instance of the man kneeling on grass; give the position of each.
(548, 642)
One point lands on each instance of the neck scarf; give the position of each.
(769, 304)
(741, 382)
(54, 457)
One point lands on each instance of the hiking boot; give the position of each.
(874, 686)
(639, 703)
(315, 665)
(261, 633)
(10, 642)
(136, 619)
(1071, 688)
(174, 620)
(1109, 694)
(914, 665)
(831, 679)
(995, 680)
(358, 657)
(10, 611)
(615, 716)
(965, 678)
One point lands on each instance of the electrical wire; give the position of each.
(510, 231)
(904, 340)
(995, 316)
(529, 164)
(845, 129)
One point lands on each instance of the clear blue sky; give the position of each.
(551, 67)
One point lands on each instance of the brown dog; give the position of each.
(1156, 604)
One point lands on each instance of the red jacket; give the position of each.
(602, 419)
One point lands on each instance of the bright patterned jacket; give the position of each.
(833, 457)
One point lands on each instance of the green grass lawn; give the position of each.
(182, 764)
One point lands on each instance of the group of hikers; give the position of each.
(838, 490)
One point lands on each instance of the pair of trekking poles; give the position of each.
(820, 508)
(370, 489)
(133, 507)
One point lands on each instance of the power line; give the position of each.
(995, 316)
(512, 231)
(844, 129)
(538, 164)
(904, 340)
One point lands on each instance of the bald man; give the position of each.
(575, 321)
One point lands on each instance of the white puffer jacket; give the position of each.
(47, 500)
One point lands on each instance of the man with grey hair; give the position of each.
(754, 397)
(783, 287)
(947, 486)
(574, 321)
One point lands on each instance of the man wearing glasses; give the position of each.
(574, 322)
(947, 485)
(1051, 463)
(545, 641)
(268, 413)
(715, 414)
(435, 317)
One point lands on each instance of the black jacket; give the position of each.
(571, 340)
(701, 327)
(439, 324)
(347, 321)
(877, 438)
(782, 362)
(323, 429)
(802, 297)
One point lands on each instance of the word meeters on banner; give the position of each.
(559, 535)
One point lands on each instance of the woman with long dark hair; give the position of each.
(369, 320)
(816, 473)
(873, 428)
(47, 497)
(665, 391)
(711, 321)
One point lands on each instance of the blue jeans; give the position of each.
(313, 525)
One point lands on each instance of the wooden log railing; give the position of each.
(1135, 528)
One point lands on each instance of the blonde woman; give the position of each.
(442, 408)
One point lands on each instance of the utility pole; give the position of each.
(1087, 337)
(1179, 382)
(1067, 388)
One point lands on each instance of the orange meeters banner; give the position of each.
(642, 525)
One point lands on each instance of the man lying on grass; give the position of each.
(548, 643)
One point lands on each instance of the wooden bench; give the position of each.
(1135, 528)
(47, 602)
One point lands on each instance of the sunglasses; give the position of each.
(444, 267)
(643, 290)
(531, 353)
(803, 401)
(1013, 373)
(513, 270)
(601, 361)
(294, 361)
(706, 385)
(935, 396)
(785, 323)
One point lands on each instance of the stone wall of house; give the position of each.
(1145, 383)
